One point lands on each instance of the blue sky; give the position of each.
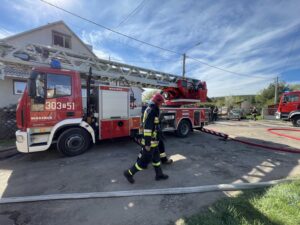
(259, 38)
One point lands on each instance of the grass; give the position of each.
(250, 117)
(278, 205)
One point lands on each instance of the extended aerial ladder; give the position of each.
(16, 60)
(51, 110)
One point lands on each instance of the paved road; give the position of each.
(258, 131)
(200, 159)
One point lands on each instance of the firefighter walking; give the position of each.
(150, 142)
(161, 146)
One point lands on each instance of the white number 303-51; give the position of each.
(60, 105)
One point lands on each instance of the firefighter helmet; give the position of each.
(158, 99)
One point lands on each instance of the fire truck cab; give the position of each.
(289, 107)
(51, 112)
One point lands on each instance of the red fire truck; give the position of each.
(53, 110)
(289, 107)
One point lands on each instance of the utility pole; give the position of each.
(183, 65)
(276, 90)
(184, 58)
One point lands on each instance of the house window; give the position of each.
(61, 40)
(19, 87)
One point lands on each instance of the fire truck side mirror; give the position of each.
(36, 87)
(31, 87)
(285, 100)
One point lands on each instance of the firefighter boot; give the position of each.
(166, 160)
(129, 174)
(159, 174)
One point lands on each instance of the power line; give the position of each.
(249, 76)
(225, 70)
(139, 6)
(144, 42)
(107, 28)
(136, 9)
(193, 46)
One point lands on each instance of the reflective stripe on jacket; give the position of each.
(150, 125)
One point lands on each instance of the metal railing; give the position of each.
(268, 113)
(104, 70)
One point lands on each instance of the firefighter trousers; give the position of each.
(144, 158)
(162, 152)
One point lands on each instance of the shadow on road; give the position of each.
(200, 159)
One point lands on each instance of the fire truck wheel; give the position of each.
(73, 141)
(296, 121)
(183, 128)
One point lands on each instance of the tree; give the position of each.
(294, 87)
(267, 95)
(229, 101)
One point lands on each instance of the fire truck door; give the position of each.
(290, 103)
(53, 100)
(197, 118)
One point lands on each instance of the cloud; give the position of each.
(102, 54)
(257, 38)
(35, 13)
(294, 82)
(5, 33)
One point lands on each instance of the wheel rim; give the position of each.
(184, 129)
(298, 122)
(75, 143)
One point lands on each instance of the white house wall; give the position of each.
(44, 37)
(7, 96)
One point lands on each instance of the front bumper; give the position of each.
(22, 141)
(277, 115)
(281, 116)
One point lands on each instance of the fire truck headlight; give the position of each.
(20, 138)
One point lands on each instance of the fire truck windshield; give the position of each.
(43, 85)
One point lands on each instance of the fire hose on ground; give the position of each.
(271, 130)
(149, 192)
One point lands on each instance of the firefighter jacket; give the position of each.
(151, 126)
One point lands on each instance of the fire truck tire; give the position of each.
(296, 121)
(183, 129)
(73, 141)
